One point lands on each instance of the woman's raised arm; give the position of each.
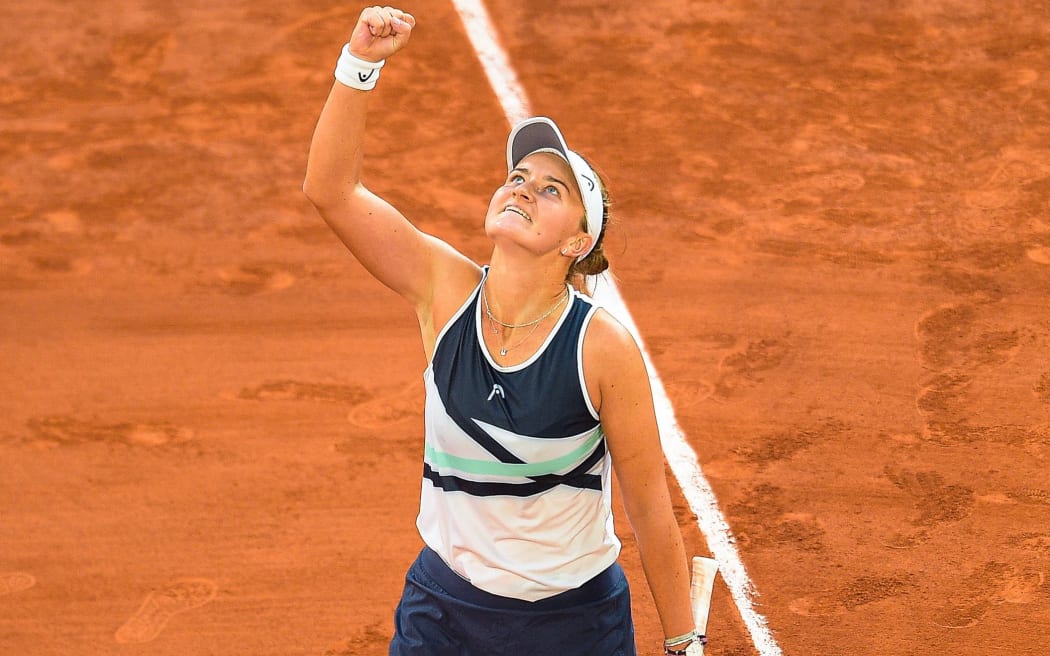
(393, 250)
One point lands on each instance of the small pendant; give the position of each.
(503, 351)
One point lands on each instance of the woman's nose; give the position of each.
(522, 190)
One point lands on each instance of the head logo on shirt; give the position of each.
(496, 389)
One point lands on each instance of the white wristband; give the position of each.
(357, 73)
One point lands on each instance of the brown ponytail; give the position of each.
(595, 262)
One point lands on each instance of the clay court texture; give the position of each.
(833, 234)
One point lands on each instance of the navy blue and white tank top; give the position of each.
(516, 475)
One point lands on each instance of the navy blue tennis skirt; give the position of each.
(442, 614)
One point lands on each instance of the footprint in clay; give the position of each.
(160, 606)
(15, 582)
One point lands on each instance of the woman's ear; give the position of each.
(577, 246)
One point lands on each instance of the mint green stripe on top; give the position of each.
(494, 468)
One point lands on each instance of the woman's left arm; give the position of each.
(618, 383)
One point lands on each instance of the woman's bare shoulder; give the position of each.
(606, 333)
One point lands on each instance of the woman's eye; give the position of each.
(551, 189)
(516, 179)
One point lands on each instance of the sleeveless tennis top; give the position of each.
(516, 475)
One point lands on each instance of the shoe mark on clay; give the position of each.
(1039, 254)
(757, 357)
(984, 288)
(783, 445)
(295, 390)
(948, 338)
(1004, 186)
(20, 237)
(845, 252)
(61, 430)
(714, 339)
(993, 256)
(993, 584)
(943, 334)
(943, 393)
(695, 391)
(687, 390)
(15, 582)
(50, 232)
(936, 501)
(1037, 542)
(760, 520)
(1042, 388)
(388, 409)
(953, 347)
(859, 592)
(961, 432)
(684, 391)
(59, 263)
(995, 347)
(161, 605)
(59, 222)
(719, 227)
(1031, 496)
(371, 638)
(250, 279)
(657, 346)
(908, 540)
(309, 233)
(747, 365)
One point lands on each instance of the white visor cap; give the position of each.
(541, 133)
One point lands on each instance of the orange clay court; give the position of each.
(833, 233)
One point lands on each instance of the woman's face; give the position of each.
(538, 207)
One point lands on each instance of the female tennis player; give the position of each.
(534, 394)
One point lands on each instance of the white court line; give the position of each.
(494, 60)
(680, 456)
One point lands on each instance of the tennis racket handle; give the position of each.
(704, 571)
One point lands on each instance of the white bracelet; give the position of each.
(697, 642)
(692, 635)
(357, 73)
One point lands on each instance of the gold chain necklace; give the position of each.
(506, 349)
(535, 323)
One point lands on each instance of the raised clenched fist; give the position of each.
(380, 32)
